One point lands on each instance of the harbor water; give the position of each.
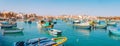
(75, 35)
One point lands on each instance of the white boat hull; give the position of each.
(84, 25)
(13, 31)
(111, 23)
(55, 32)
(100, 26)
(114, 31)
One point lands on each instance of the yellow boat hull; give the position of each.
(62, 40)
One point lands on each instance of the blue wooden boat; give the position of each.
(115, 37)
(45, 25)
(35, 42)
(101, 24)
(115, 31)
(8, 25)
(42, 42)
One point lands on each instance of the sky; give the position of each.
(61, 7)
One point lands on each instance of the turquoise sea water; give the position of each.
(76, 36)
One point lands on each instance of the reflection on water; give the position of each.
(103, 30)
(84, 31)
(113, 36)
(42, 31)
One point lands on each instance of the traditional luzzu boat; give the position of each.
(12, 30)
(100, 26)
(5, 24)
(115, 31)
(8, 25)
(84, 25)
(45, 25)
(55, 32)
(42, 42)
(59, 40)
(111, 23)
(115, 37)
(76, 22)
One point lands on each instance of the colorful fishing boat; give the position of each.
(115, 37)
(14, 30)
(83, 25)
(100, 26)
(59, 40)
(42, 42)
(76, 21)
(45, 25)
(115, 31)
(55, 32)
(111, 23)
(8, 25)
